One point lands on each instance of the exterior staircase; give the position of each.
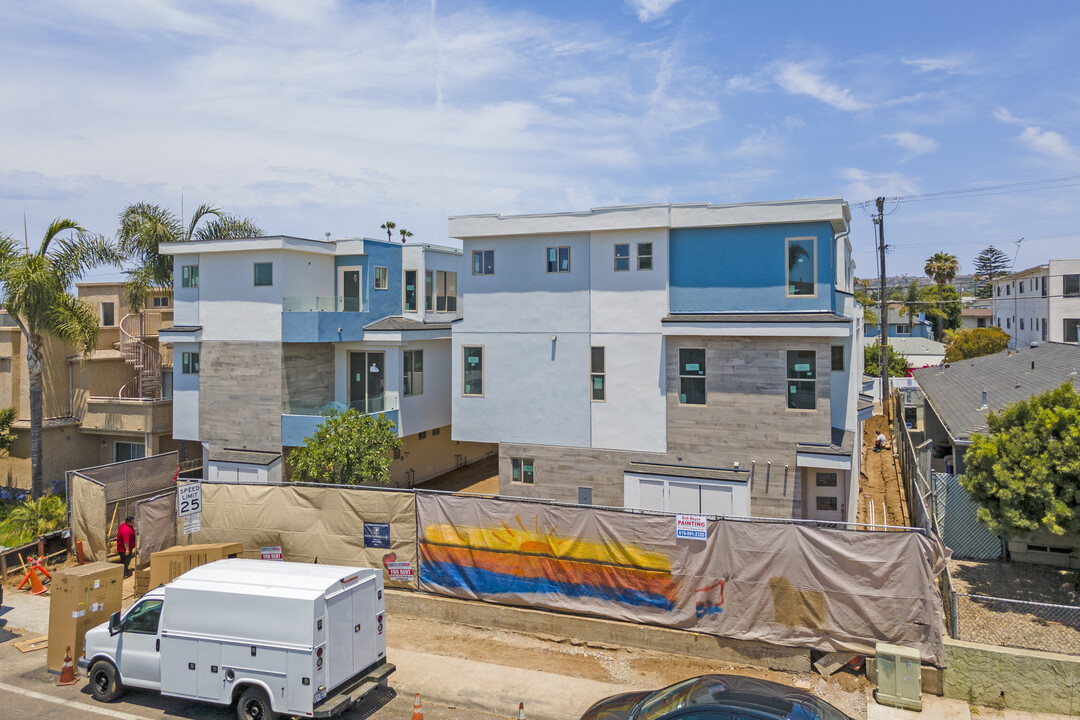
(145, 359)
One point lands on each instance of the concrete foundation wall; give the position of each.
(1008, 678)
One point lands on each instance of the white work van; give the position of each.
(272, 637)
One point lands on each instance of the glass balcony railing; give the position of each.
(367, 407)
(316, 303)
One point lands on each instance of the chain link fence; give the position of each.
(1015, 623)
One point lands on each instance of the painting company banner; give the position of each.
(780, 583)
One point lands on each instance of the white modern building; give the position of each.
(692, 358)
(270, 332)
(1040, 304)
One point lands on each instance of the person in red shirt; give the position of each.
(125, 541)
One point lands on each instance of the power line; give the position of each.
(1000, 189)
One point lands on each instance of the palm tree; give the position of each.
(942, 268)
(35, 286)
(405, 234)
(389, 226)
(144, 227)
(33, 518)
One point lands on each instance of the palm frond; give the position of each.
(73, 320)
(200, 212)
(144, 227)
(75, 255)
(58, 226)
(226, 227)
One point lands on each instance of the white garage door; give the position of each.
(686, 495)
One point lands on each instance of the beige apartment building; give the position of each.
(115, 404)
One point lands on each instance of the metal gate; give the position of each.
(962, 530)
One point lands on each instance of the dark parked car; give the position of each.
(716, 697)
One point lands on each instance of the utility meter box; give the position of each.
(899, 677)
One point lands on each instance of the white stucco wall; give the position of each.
(427, 257)
(305, 274)
(430, 409)
(231, 308)
(185, 300)
(1061, 307)
(185, 396)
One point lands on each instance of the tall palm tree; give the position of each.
(34, 285)
(144, 227)
(405, 234)
(389, 226)
(942, 268)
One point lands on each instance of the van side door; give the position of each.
(139, 649)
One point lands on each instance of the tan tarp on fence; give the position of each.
(781, 583)
(155, 524)
(316, 522)
(87, 500)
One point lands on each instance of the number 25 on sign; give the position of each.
(189, 499)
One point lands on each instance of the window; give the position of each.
(826, 503)
(802, 379)
(1008, 323)
(1035, 284)
(143, 618)
(521, 470)
(1070, 285)
(190, 363)
(558, 259)
(644, 256)
(160, 301)
(838, 358)
(903, 329)
(1070, 329)
(421, 435)
(1044, 330)
(414, 372)
(597, 374)
(826, 479)
(128, 451)
(108, 314)
(999, 290)
(692, 376)
(472, 371)
(410, 291)
(980, 322)
(1021, 287)
(1008, 288)
(382, 277)
(445, 291)
(1043, 287)
(264, 274)
(1021, 323)
(189, 276)
(483, 262)
(622, 257)
(801, 267)
(429, 290)
(435, 432)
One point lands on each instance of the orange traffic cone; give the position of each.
(67, 672)
(521, 711)
(417, 711)
(36, 588)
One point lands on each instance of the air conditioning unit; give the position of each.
(899, 677)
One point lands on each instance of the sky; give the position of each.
(332, 116)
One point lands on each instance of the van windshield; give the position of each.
(143, 618)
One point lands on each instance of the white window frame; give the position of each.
(117, 443)
(405, 290)
(160, 301)
(464, 367)
(558, 252)
(383, 272)
(704, 377)
(483, 262)
(625, 258)
(101, 312)
(189, 276)
(443, 293)
(429, 291)
(600, 374)
(255, 274)
(187, 366)
(641, 256)
(521, 462)
(787, 268)
(412, 379)
(789, 380)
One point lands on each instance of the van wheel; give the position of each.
(105, 683)
(254, 705)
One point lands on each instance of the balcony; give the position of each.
(301, 421)
(323, 319)
(111, 414)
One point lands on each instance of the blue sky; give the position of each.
(321, 116)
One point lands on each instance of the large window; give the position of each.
(558, 259)
(108, 314)
(414, 372)
(801, 267)
(382, 277)
(597, 374)
(190, 363)
(1070, 329)
(802, 379)
(445, 291)
(472, 370)
(189, 276)
(128, 451)
(410, 291)
(1070, 285)
(644, 256)
(483, 262)
(692, 376)
(264, 274)
(521, 470)
(622, 257)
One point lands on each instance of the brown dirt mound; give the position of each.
(879, 479)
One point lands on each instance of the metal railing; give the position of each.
(914, 471)
(1014, 623)
(313, 303)
(145, 359)
(367, 407)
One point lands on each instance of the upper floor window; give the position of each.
(521, 470)
(445, 291)
(1021, 287)
(622, 257)
(1070, 331)
(903, 329)
(189, 363)
(128, 451)
(999, 290)
(802, 379)
(1042, 288)
(1008, 289)
(597, 374)
(189, 276)
(264, 274)
(801, 267)
(429, 290)
(1021, 323)
(644, 256)
(558, 259)
(382, 277)
(472, 370)
(160, 301)
(837, 358)
(414, 372)
(1070, 285)
(483, 262)
(410, 291)
(108, 314)
(692, 376)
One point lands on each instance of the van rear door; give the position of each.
(352, 632)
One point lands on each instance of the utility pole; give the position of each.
(879, 220)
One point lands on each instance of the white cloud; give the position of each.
(800, 79)
(948, 64)
(863, 185)
(761, 144)
(913, 143)
(1005, 116)
(648, 10)
(1049, 143)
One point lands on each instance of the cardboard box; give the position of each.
(80, 598)
(142, 581)
(167, 565)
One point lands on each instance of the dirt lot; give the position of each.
(603, 663)
(480, 477)
(879, 479)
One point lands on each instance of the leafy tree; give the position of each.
(862, 295)
(348, 448)
(989, 264)
(7, 436)
(1024, 472)
(975, 343)
(34, 286)
(144, 227)
(389, 226)
(32, 518)
(942, 268)
(898, 364)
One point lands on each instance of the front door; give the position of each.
(140, 646)
(367, 381)
(350, 290)
(825, 494)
